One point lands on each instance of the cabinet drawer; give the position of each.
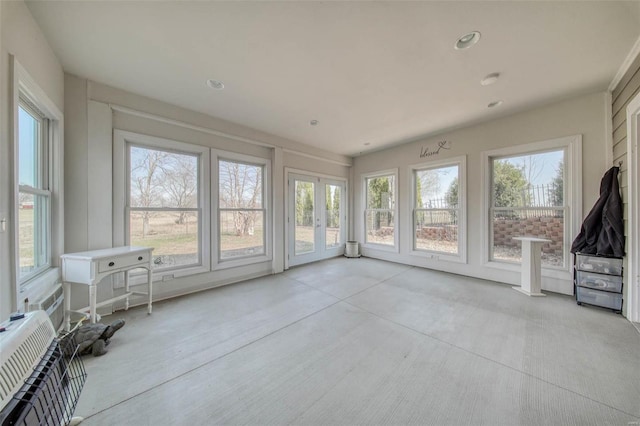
(603, 265)
(123, 262)
(599, 298)
(599, 281)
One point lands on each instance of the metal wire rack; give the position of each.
(50, 394)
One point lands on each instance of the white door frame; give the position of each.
(291, 171)
(632, 280)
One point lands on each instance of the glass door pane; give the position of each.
(333, 197)
(304, 232)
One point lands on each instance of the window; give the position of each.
(159, 185)
(38, 231)
(380, 209)
(34, 193)
(241, 209)
(178, 201)
(163, 205)
(534, 190)
(438, 210)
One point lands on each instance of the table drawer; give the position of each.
(599, 281)
(599, 298)
(123, 262)
(604, 265)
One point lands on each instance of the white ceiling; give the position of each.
(380, 73)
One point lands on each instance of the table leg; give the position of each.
(126, 289)
(66, 288)
(92, 302)
(150, 285)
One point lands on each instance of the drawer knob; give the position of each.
(139, 257)
(112, 263)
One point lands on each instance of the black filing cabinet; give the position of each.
(598, 281)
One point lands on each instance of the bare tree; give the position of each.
(178, 179)
(146, 190)
(429, 184)
(241, 189)
(532, 168)
(25, 198)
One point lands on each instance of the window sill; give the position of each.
(381, 247)
(39, 285)
(235, 263)
(438, 255)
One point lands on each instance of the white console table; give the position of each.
(531, 265)
(90, 267)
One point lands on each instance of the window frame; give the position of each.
(461, 163)
(216, 250)
(123, 141)
(41, 188)
(25, 91)
(365, 191)
(572, 194)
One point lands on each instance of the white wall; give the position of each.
(584, 115)
(95, 110)
(21, 37)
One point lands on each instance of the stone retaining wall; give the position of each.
(504, 230)
(548, 227)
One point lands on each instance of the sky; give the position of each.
(543, 168)
(26, 134)
(544, 165)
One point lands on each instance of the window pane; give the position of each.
(437, 188)
(305, 217)
(437, 230)
(173, 236)
(240, 185)
(33, 224)
(380, 227)
(163, 179)
(548, 224)
(535, 180)
(241, 233)
(29, 149)
(380, 192)
(332, 214)
(530, 184)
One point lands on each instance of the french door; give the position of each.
(316, 218)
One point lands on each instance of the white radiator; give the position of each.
(40, 376)
(53, 304)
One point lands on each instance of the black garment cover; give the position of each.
(602, 231)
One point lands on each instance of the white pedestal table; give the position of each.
(531, 265)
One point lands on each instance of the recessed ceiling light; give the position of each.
(314, 122)
(215, 84)
(490, 79)
(467, 40)
(494, 104)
